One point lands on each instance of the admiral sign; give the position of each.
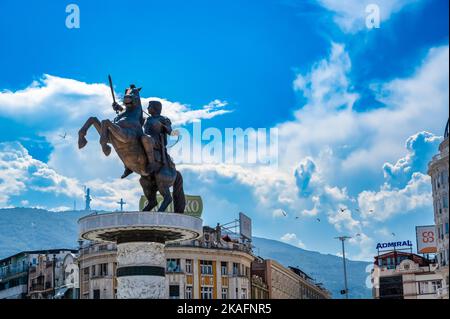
(405, 243)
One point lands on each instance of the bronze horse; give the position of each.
(124, 136)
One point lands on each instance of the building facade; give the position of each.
(97, 264)
(403, 275)
(438, 169)
(287, 283)
(212, 267)
(207, 268)
(30, 274)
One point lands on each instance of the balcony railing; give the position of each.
(12, 270)
(442, 292)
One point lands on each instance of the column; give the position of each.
(141, 271)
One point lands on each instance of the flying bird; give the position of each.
(283, 212)
(343, 209)
(393, 234)
(358, 235)
(318, 219)
(63, 136)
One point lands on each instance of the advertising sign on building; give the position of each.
(426, 239)
(194, 205)
(245, 226)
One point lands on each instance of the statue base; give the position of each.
(140, 238)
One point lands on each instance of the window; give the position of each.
(445, 201)
(436, 284)
(189, 266)
(235, 269)
(224, 268)
(206, 292)
(96, 294)
(244, 293)
(224, 293)
(174, 292)
(206, 267)
(446, 228)
(86, 272)
(103, 269)
(173, 265)
(93, 271)
(189, 292)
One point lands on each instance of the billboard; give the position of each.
(194, 205)
(426, 239)
(245, 226)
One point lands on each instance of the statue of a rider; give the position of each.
(156, 128)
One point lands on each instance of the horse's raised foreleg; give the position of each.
(83, 131)
(104, 137)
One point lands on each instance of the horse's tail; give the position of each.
(179, 201)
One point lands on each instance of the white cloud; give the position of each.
(365, 246)
(59, 102)
(279, 213)
(350, 15)
(344, 221)
(292, 239)
(420, 148)
(20, 172)
(388, 201)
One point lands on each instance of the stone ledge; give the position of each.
(140, 226)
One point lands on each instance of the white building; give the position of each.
(438, 169)
(401, 275)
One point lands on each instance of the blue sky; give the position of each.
(348, 102)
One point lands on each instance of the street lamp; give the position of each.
(54, 274)
(342, 239)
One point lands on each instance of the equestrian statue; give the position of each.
(141, 144)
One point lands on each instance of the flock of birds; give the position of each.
(341, 210)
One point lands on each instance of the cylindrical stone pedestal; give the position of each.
(141, 271)
(140, 239)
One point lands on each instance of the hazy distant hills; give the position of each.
(33, 229)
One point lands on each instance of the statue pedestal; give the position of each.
(140, 239)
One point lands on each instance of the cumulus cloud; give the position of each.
(420, 148)
(20, 172)
(292, 239)
(54, 102)
(350, 15)
(389, 201)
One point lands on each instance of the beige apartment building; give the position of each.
(287, 283)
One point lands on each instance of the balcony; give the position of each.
(442, 293)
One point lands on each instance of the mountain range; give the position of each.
(34, 229)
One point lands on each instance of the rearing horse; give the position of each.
(124, 134)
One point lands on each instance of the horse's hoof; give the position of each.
(106, 149)
(82, 141)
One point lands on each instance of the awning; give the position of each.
(61, 292)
